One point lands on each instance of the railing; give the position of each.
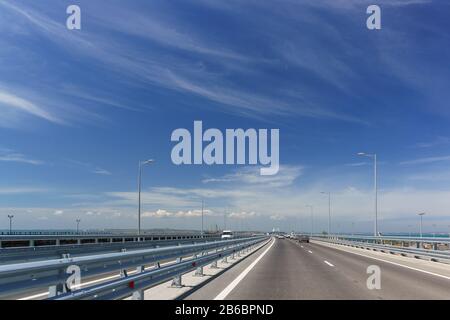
(27, 254)
(23, 277)
(56, 238)
(135, 285)
(405, 246)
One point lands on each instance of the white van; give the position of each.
(227, 234)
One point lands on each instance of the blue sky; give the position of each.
(80, 108)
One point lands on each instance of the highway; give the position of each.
(286, 269)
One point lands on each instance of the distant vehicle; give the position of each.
(303, 238)
(227, 234)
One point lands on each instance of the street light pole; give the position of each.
(375, 173)
(329, 211)
(225, 220)
(202, 217)
(312, 218)
(10, 217)
(421, 215)
(141, 163)
(78, 225)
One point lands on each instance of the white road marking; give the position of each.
(309, 251)
(331, 265)
(399, 265)
(225, 292)
(301, 246)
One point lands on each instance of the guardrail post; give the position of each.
(176, 282)
(58, 288)
(225, 258)
(214, 264)
(199, 270)
(139, 294)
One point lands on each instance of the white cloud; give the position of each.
(440, 140)
(88, 166)
(8, 155)
(250, 176)
(102, 171)
(58, 212)
(277, 217)
(160, 213)
(426, 160)
(356, 164)
(172, 71)
(10, 104)
(21, 190)
(243, 215)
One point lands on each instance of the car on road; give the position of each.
(227, 234)
(303, 238)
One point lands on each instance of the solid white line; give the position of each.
(398, 264)
(225, 292)
(331, 265)
(309, 251)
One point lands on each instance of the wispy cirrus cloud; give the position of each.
(11, 104)
(20, 190)
(438, 141)
(88, 166)
(8, 155)
(249, 176)
(180, 70)
(426, 160)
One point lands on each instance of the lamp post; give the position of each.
(312, 218)
(374, 156)
(78, 225)
(329, 211)
(202, 217)
(10, 217)
(421, 215)
(141, 163)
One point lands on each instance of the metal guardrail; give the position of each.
(378, 244)
(135, 285)
(53, 239)
(27, 254)
(22, 277)
(445, 240)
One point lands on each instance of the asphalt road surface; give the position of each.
(290, 270)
